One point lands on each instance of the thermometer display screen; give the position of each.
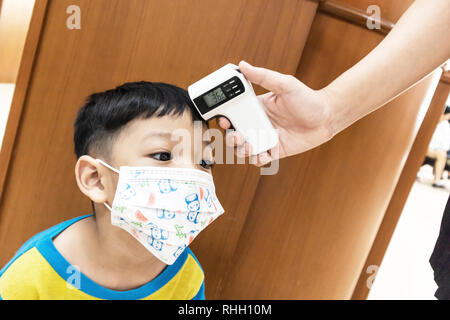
(219, 95)
(214, 97)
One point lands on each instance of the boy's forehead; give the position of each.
(142, 132)
(141, 128)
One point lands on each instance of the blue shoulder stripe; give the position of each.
(201, 293)
(63, 268)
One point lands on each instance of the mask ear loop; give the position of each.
(107, 205)
(107, 165)
(111, 168)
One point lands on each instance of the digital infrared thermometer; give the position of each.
(226, 92)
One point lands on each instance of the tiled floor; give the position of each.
(405, 272)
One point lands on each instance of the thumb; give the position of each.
(268, 79)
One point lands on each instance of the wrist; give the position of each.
(330, 119)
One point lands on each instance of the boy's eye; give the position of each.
(207, 164)
(162, 156)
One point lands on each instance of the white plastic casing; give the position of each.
(244, 111)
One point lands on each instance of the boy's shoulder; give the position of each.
(41, 236)
(20, 274)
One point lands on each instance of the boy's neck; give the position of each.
(117, 245)
(123, 254)
(107, 254)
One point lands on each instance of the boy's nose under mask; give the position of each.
(164, 208)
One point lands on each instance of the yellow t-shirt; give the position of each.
(39, 271)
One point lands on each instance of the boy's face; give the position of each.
(145, 142)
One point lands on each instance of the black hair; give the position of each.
(105, 113)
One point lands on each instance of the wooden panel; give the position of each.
(14, 22)
(390, 10)
(355, 15)
(311, 226)
(403, 188)
(119, 41)
(21, 86)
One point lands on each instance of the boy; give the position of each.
(88, 257)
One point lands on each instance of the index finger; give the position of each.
(266, 78)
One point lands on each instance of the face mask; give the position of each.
(164, 208)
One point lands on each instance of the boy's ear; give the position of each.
(91, 179)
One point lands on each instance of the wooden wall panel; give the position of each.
(311, 226)
(390, 10)
(119, 41)
(14, 21)
(21, 87)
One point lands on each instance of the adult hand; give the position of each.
(301, 115)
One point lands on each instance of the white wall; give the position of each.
(6, 94)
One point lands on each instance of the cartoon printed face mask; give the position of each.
(164, 208)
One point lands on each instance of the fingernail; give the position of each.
(244, 62)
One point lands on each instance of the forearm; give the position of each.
(415, 47)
